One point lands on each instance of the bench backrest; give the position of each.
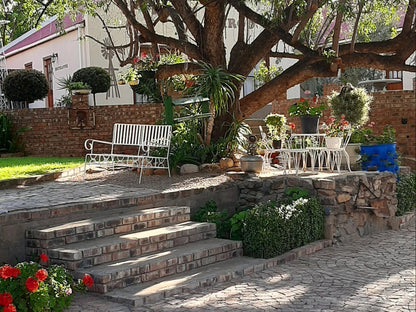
(142, 135)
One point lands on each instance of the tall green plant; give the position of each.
(220, 86)
(5, 132)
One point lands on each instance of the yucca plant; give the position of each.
(220, 87)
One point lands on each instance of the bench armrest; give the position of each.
(89, 144)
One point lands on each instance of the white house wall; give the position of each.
(65, 46)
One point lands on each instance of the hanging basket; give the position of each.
(333, 142)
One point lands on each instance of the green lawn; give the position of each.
(20, 167)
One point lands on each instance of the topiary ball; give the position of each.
(26, 85)
(96, 77)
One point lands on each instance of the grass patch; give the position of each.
(21, 167)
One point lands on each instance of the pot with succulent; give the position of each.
(309, 112)
(354, 104)
(277, 127)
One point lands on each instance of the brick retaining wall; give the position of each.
(50, 134)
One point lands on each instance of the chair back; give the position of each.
(346, 139)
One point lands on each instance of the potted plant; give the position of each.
(309, 112)
(334, 131)
(96, 77)
(378, 152)
(79, 87)
(276, 124)
(353, 103)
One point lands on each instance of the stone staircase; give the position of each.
(141, 256)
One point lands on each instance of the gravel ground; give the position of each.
(129, 178)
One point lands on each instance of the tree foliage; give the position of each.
(96, 77)
(321, 36)
(25, 85)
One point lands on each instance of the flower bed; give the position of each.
(32, 287)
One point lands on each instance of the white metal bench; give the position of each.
(152, 142)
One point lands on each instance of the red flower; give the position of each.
(292, 125)
(136, 60)
(5, 299)
(315, 98)
(87, 280)
(189, 83)
(302, 100)
(10, 308)
(7, 271)
(143, 55)
(44, 258)
(31, 284)
(41, 275)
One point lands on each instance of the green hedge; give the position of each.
(406, 194)
(272, 229)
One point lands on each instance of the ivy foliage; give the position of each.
(209, 213)
(406, 194)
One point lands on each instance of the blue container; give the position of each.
(382, 157)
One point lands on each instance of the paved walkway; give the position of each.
(55, 193)
(375, 273)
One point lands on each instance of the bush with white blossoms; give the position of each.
(270, 229)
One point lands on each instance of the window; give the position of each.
(28, 65)
(395, 75)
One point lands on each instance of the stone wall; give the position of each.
(356, 204)
(395, 108)
(56, 132)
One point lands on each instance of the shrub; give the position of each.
(271, 229)
(96, 77)
(31, 287)
(210, 213)
(406, 194)
(25, 85)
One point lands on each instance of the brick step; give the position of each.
(141, 269)
(122, 246)
(186, 282)
(114, 222)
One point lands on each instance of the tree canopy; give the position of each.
(320, 36)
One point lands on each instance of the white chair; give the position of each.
(334, 155)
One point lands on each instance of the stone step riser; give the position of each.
(45, 239)
(150, 272)
(74, 259)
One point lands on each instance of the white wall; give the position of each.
(65, 46)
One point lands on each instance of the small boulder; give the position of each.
(210, 167)
(189, 168)
(226, 163)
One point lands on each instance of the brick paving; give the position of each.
(374, 273)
